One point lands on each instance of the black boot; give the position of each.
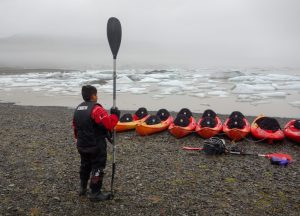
(83, 188)
(99, 196)
(96, 186)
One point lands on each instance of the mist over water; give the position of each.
(206, 53)
(194, 34)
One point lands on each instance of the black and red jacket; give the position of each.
(91, 123)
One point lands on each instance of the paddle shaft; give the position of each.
(114, 131)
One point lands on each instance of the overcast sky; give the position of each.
(194, 33)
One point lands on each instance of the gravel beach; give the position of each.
(39, 167)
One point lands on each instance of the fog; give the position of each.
(169, 33)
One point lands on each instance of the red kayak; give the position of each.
(240, 131)
(129, 122)
(204, 127)
(184, 124)
(269, 135)
(150, 126)
(179, 131)
(292, 130)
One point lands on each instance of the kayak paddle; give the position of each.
(214, 146)
(114, 35)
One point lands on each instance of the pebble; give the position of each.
(56, 198)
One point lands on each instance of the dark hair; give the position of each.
(87, 91)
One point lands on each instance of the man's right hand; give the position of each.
(116, 111)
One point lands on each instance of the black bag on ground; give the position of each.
(208, 122)
(209, 113)
(297, 124)
(127, 117)
(181, 120)
(267, 123)
(153, 120)
(186, 112)
(163, 114)
(214, 146)
(141, 112)
(236, 122)
(236, 114)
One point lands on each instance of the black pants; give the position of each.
(93, 160)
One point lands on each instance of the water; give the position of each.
(251, 90)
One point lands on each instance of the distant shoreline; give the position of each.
(14, 71)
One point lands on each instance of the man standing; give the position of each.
(92, 125)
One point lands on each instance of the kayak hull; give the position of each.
(236, 134)
(144, 130)
(180, 132)
(207, 132)
(291, 132)
(126, 126)
(267, 135)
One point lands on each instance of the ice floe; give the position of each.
(295, 103)
(218, 93)
(251, 89)
(254, 86)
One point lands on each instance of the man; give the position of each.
(92, 125)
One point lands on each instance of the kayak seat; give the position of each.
(267, 123)
(236, 122)
(186, 112)
(209, 113)
(181, 120)
(208, 122)
(153, 120)
(163, 114)
(141, 112)
(126, 118)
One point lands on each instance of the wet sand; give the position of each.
(39, 172)
(275, 107)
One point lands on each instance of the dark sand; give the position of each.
(39, 173)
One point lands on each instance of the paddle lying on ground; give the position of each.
(215, 146)
(114, 35)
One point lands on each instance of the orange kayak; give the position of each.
(291, 131)
(144, 129)
(126, 126)
(236, 134)
(207, 132)
(179, 131)
(268, 135)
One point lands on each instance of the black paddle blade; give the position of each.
(114, 35)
